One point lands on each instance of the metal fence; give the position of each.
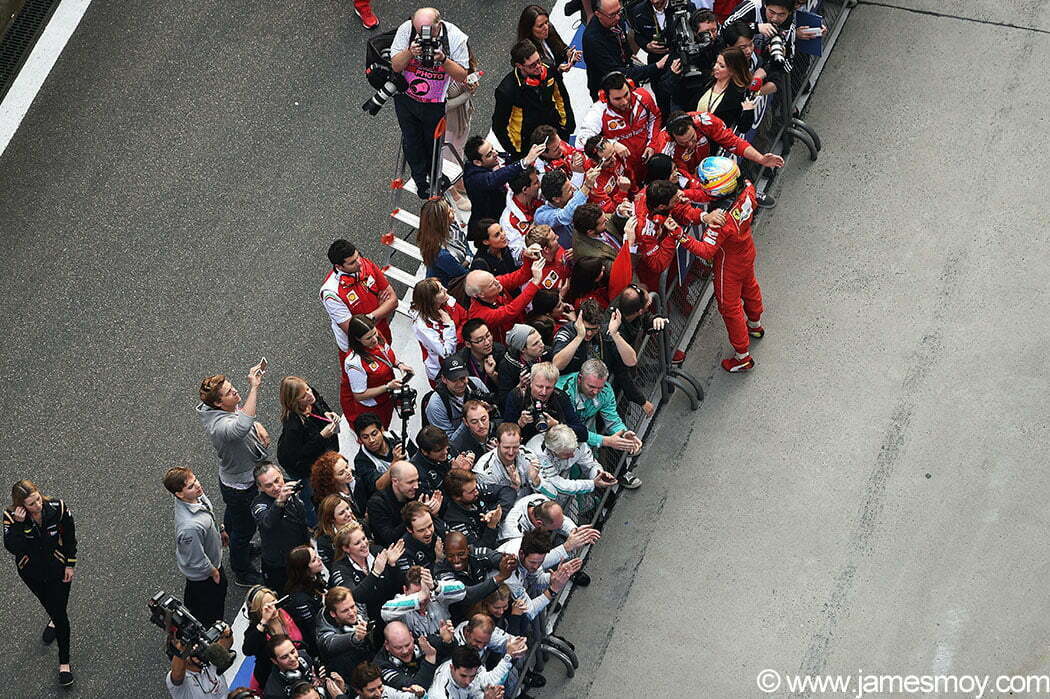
(684, 301)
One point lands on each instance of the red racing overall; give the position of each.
(732, 252)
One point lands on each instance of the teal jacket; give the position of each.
(589, 408)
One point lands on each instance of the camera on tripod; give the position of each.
(202, 644)
(690, 47)
(404, 399)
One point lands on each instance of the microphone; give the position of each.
(753, 88)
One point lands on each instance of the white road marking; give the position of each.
(34, 72)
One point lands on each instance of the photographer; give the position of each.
(691, 66)
(562, 458)
(188, 678)
(309, 428)
(593, 397)
(281, 517)
(241, 442)
(541, 405)
(369, 367)
(198, 546)
(608, 47)
(443, 407)
(427, 51)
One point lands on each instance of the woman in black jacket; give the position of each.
(369, 571)
(305, 591)
(534, 24)
(725, 94)
(490, 241)
(39, 531)
(309, 428)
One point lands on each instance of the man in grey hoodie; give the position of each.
(241, 443)
(198, 546)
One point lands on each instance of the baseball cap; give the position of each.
(453, 368)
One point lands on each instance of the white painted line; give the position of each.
(41, 60)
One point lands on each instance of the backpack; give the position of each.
(377, 61)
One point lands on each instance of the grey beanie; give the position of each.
(518, 335)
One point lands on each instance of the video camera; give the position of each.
(202, 644)
(692, 49)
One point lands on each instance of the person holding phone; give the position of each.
(241, 443)
(309, 428)
(532, 94)
(40, 533)
(370, 368)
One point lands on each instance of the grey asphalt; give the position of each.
(166, 205)
(872, 497)
(165, 208)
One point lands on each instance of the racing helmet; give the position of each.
(718, 175)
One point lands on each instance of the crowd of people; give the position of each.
(423, 564)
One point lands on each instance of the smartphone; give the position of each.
(262, 365)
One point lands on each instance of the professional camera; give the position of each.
(538, 418)
(170, 614)
(380, 74)
(428, 46)
(776, 50)
(404, 399)
(690, 48)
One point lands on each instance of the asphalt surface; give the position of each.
(870, 498)
(165, 207)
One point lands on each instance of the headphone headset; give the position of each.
(602, 94)
(681, 118)
(250, 597)
(536, 82)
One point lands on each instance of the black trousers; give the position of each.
(275, 577)
(240, 524)
(206, 599)
(54, 595)
(418, 120)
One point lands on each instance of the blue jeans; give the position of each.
(240, 525)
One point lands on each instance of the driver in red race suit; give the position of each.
(687, 138)
(728, 244)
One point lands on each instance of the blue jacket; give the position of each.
(486, 188)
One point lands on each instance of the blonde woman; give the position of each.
(265, 620)
(367, 569)
(309, 428)
(39, 531)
